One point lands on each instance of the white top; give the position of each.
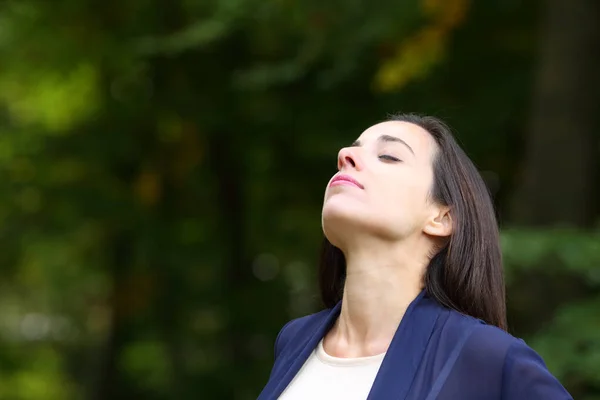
(329, 378)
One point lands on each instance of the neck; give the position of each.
(379, 287)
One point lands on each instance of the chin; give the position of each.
(348, 224)
(342, 211)
(342, 223)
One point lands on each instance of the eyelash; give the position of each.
(389, 158)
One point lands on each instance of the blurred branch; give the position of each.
(224, 16)
(196, 35)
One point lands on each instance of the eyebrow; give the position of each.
(386, 139)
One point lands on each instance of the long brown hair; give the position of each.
(465, 275)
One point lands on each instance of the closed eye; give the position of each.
(389, 158)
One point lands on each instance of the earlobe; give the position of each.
(440, 225)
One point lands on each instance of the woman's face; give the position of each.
(383, 184)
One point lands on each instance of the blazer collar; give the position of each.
(402, 358)
(406, 350)
(297, 359)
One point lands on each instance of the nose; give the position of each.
(347, 158)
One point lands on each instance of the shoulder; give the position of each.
(299, 328)
(480, 343)
(486, 343)
(488, 340)
(526, 376)
(521, 371)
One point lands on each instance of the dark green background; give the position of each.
(163, 163)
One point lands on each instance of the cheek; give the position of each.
(404, 204)
(407, 195)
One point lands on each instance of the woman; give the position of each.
(412, 277)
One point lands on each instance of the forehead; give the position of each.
(416, 137)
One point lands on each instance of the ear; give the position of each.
(440, 223)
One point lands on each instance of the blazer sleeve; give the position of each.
(525, 376)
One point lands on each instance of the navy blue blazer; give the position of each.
(436, 353)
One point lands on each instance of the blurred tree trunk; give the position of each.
(558, 184)
(170, 303)
(226, 155)
(108, 384)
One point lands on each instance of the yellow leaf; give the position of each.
(419, 53)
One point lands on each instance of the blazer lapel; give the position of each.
(399, 365)
(296, 360)
(406, 350)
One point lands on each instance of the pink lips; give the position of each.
(345, 180)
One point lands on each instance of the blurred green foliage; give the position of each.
(163, 168)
